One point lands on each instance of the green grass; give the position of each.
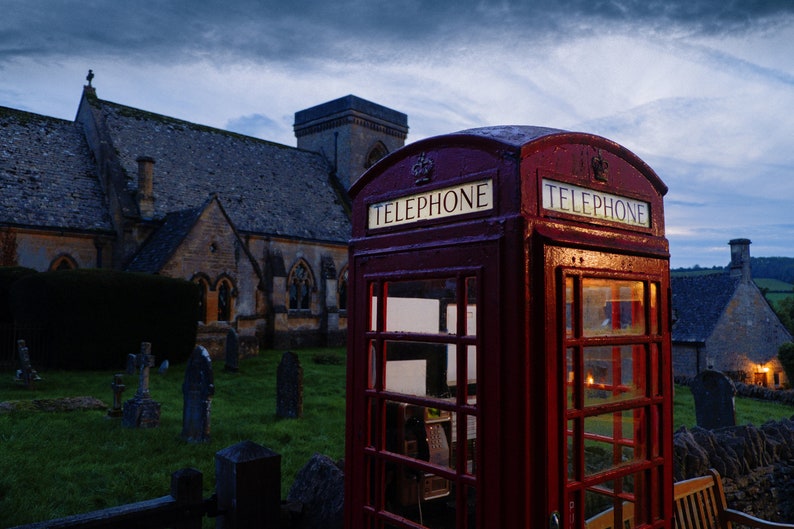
(774, 285)
(55, 464)
(748, 411)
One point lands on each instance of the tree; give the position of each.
(785, 354)
(785, 311)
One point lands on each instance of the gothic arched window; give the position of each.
(203, 286)
(342, 290)
(224, 300)
(300, 287)
(377, 152)
(63, 262)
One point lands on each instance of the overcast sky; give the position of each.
(701, 90)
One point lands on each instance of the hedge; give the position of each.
(8, 276)
(95, 318)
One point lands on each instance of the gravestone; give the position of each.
(232, 351)
(289, 387)
(25, 374)
(714, 395)
(118, 388)
(141, 411)
(197, 390)
(319, 490)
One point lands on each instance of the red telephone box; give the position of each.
(509, 336)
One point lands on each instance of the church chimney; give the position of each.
(145, 193)
(740, 259)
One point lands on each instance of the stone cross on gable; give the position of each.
(141, 362)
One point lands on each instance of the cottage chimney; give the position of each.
(740, 259)
(145, 193)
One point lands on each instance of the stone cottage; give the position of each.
(722, 321)
(261, 228)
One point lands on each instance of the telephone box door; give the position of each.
(608, 360)
(419, 424)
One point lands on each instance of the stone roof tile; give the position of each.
(264, 187)
(161, 245)
(698, 302)
(47, 174)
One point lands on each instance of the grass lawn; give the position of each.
(54, 464)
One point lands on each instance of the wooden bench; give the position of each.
(699, 503)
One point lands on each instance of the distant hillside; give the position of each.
(780, 268)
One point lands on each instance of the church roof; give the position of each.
(48, 175)
(698, 302)
(264, 187)
(162, 244)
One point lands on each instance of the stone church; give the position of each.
(261, 228)
(722, 321)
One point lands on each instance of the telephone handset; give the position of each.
(421, 433)
(416, 432)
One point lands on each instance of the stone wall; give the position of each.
(756, 464)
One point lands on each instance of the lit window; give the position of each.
(63, 262)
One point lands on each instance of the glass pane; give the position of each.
(570, 377)
(372, 415)
(417, 368)
(470, 376)
(656, 371)
(373, 305)
(609, 440)
(654, 295)
(424, 499)
(418, 306)
(470, 446)
(604, 510)
(371, 465)
(419, 432)
(613, 373)
(573, 460)
(372, 379)
(569, 307)
(471, 306)
(612, 307)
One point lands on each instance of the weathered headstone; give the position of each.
(289, 387)
(25, 374)
(141, 411)
(118, 388)
(319, 488)
(232, 351)
(715, 404)
(197, 390)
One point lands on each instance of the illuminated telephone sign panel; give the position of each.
(508, 336)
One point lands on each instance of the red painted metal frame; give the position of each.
(520, 382)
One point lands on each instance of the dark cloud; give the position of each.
(371, 30)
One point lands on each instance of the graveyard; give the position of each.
(63, 453)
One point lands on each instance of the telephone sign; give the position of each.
(509, 336)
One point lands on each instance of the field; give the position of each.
(54, 464)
